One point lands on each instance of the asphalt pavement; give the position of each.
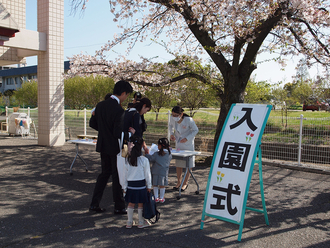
(43, 206)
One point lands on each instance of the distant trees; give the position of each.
(9, 98)
(279, 96)
(9, 93)
(86, 92)
(27, 95)
(194, 95)
(79, 92)
(257, 92)
(301, 91)
(160, 97)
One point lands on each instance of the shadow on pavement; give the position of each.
(42, 205)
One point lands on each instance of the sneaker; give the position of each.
(143, 224)
(162, 200)
(129, 224)
(157, 200)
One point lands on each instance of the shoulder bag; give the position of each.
(121, 160)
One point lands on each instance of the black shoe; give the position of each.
(122, 211)
(175, 188)
(185, 188)
(97, 209)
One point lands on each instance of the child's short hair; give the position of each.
(165, 144)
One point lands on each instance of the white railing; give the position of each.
(285, 138)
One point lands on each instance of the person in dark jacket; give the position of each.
(134, 118)
(109, 120)
(92, 120)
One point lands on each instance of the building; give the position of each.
(12, 79)
(17, 43)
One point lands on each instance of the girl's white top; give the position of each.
(139, 172)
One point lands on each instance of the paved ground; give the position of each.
(43, 206)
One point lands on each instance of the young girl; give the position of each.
(137, 181)
(161, 163)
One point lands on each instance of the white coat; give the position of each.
(186, 129)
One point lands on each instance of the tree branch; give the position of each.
(314, 35)
(260, 35)
(199, 31)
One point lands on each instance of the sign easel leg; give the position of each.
(262, 188)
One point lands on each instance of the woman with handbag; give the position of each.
(137, 181)
(134, 117)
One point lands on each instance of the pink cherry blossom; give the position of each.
(231, 33)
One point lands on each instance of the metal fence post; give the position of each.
(168, 125)
(300, 138)
(7, 119)
(85, 121)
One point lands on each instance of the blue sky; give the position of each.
(88, 32)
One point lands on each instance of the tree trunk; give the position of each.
(233, 93)
(157, 113)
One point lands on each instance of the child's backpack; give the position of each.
(150, 211)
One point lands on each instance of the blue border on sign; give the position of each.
(258, 144)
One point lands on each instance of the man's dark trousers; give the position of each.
(109, 168)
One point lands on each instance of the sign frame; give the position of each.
(256, 158)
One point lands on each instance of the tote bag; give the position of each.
(150, 211)
(121, 162)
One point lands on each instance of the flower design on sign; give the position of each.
(249, 136)
(220, 176)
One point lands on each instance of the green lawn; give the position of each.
(280, 128)
(211, 116)
(306, 114)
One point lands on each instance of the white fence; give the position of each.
(301, 140)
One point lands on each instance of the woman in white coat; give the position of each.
(183, 130)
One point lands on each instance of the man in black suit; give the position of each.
(109, 119)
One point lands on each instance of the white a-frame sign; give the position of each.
(232, 166)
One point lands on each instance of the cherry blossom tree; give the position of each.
(231, 33)
(193, 95)
(160, 97)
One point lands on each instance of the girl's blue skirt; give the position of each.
(136, 192)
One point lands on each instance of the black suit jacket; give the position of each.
(109, 118)
(135, 120)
